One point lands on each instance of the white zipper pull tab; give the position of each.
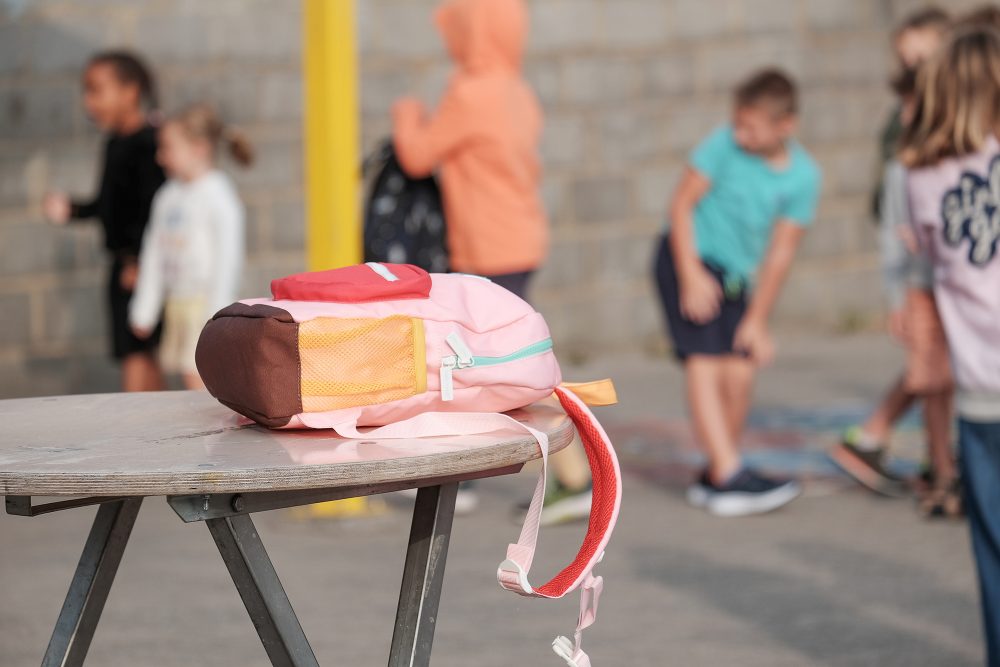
(461, 349)
(448, 365)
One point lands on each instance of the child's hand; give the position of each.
(128, 277)
(701, 295)
(142, 333)
(754, 340)
(56, 208)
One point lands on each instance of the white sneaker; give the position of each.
(574, 507)
(745, 494)
(466, 502)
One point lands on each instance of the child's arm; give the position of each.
(700, 293)
(228, 233)
(896, 257)
(60, 209)
(752, 335)
(83, 209)
(147, 300)
(422, 141)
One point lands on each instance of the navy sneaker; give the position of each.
(746, 493)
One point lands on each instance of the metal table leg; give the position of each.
(91, 583)
(262, 593)
(423, 576)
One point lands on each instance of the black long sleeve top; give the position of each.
(130, 178)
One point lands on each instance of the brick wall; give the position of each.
(629, 86)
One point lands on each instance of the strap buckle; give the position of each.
(512, 577)
(573, 655)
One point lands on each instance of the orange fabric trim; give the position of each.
(597, 393)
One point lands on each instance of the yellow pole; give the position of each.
(330, 75)
(333, 238)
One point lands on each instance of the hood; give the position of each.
(484, 35)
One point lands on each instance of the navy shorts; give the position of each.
(712, 338)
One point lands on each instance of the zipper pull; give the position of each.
(448, 365)
(461, 349)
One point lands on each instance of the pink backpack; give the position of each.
(412, 354)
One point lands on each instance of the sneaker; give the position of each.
(698, 493)
(466, 501)
(744, 494)
(944, 500)
(561, 505)
(564, 506)
(867, 467)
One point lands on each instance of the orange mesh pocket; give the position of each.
(353, 362)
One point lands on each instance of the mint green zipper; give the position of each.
(540, 347)
(463, 359)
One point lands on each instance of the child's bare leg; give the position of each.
(890, 409)
(706, 400)
(861, 452)
(938, 422)
(570, 466)
(737, 388)
(141, 372)
(193, 381)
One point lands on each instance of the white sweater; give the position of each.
(192, 249)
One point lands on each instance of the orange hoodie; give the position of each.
(484, 137)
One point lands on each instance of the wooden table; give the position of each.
(113, 450)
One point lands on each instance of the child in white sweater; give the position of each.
(192, 253)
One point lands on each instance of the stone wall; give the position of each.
(629, 86)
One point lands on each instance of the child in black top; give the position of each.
(117, 91)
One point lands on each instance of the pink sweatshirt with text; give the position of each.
(955, 209)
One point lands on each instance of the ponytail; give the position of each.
(130, 69)
(239, 147)
(202, 122)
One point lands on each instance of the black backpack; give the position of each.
(404, 216)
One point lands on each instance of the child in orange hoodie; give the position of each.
(483, 137)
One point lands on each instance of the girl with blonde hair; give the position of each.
(953, 155)
(192, 255)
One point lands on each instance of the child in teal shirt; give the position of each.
(737, 218)
(748, 195)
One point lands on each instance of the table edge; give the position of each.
(314, 476)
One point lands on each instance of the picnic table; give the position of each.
(115, 450)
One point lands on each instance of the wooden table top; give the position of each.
(184, 442)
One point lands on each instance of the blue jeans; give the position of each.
(980, 460)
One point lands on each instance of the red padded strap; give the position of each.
(606, 495)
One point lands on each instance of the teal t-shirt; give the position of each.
(733, 221)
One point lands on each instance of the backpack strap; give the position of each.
(513, 572)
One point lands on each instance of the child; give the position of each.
(118, 93)
(737, 218)
(914, 40)
(953, 155)
(913, 316)
(484, 136)
(193, 253)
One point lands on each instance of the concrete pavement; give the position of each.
(837, 578)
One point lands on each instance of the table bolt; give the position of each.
(206, 498)
(239, 504)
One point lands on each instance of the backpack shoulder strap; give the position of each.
(607, 492)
